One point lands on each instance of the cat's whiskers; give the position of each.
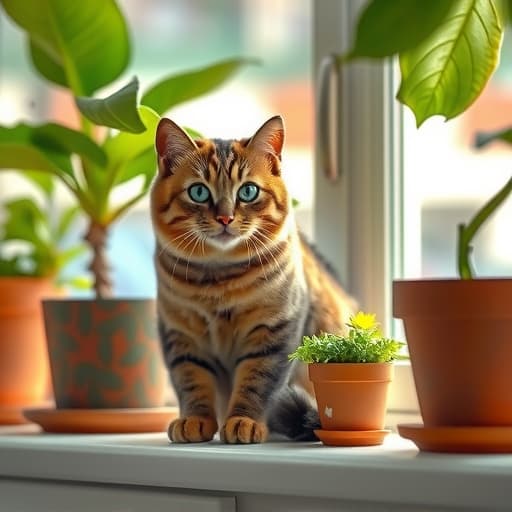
(191, 237)
(270, 250)
(184, 236)
(197, 241)
(251, 241)
(272, 245)
(203, 239)
(164, 247)
(248, 253)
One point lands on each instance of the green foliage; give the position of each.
(386, 28)
(82, 46)
(85, 46)
(364, 343)
(32, 240)
(119, 110)
(448, 49)
(448, 71)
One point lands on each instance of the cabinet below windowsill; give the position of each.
(142, 473)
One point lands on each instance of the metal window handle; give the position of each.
(327, 116)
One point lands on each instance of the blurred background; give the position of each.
(446, 180)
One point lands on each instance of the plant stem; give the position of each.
(467, 232)
(96, 237)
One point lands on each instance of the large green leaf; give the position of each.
(80, 45)
(484, 138)
(46, 148)
(58, 138)
(144, 164)
(176, 89)
(449, 69)
(388, 27)
(119, 110)
(124, 149)
(25, 156)
(24, 151)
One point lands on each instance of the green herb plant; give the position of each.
(364, 343)
(83, 47)
(33, 237)
(447, 51)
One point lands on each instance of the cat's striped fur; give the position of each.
(238, 287)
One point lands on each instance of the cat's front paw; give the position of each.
(192, 429)
(239, 429)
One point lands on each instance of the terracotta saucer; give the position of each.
(352, 437)
(458, 439)
(101, 421)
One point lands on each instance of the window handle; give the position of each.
(327, 116)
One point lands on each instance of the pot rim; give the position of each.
(452, 280)
(453, 298)
(90, 300)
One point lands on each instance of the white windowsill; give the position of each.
(395, 473)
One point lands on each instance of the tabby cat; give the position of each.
(238, 287)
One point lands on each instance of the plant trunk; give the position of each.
(96, 237)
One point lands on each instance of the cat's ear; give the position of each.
(172, 145)
(270, 137)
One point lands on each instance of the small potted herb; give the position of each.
(351, 375)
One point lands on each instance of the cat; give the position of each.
(238, 287)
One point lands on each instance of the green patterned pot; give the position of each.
(104, 353)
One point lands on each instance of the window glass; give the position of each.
(447, 180)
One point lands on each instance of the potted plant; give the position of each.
(351, 375)
(33, 258)
(458, 330)
(104, 353)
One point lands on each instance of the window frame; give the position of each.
(358, 219)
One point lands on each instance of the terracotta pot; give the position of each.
(105, 353)
(459, 334)
(23, 356)
(351, 396)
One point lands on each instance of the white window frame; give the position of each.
(358, 221)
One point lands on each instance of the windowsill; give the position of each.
(392, 473)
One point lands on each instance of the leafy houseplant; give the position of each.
(83, 48)
(351, 376)
(32, 259)
(458, 330)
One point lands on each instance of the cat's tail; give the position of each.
(293, 415)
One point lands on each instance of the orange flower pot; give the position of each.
(459, 334)
(351, 396)
(105, 353)
(23, 355)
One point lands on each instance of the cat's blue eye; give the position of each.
(248, 192)
(199, 193)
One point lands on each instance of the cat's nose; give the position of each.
(225, 219)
